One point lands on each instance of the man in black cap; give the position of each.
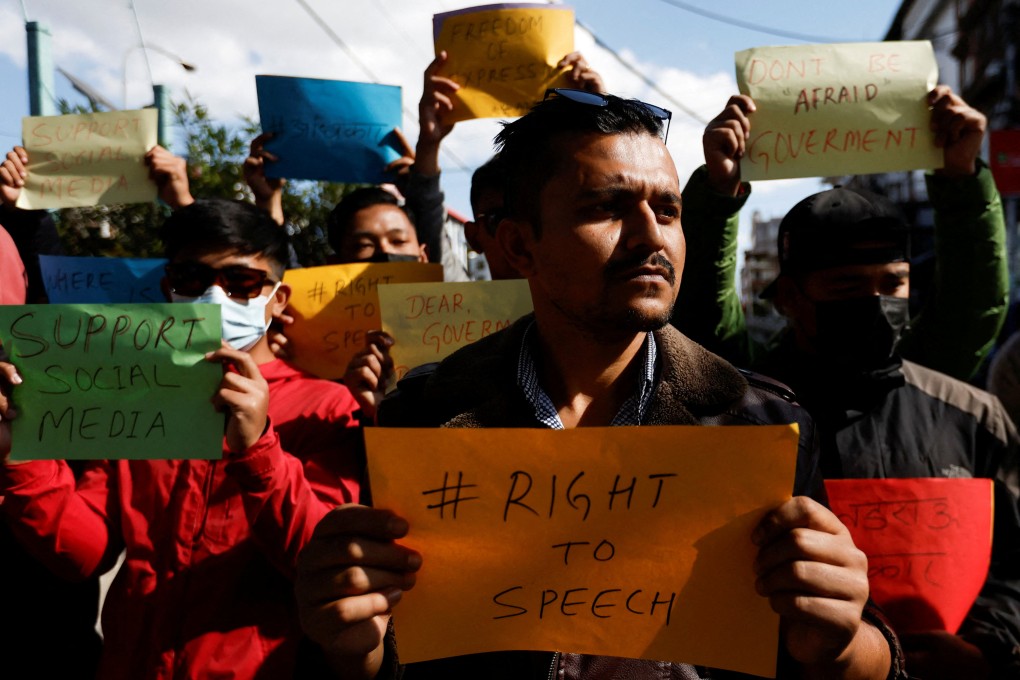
(844, 286)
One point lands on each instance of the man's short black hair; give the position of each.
(527, 147)
(216, 224)
(489, 177)
(342, 216)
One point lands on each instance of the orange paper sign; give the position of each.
(336, 305)
(621, 541)
(928, 542)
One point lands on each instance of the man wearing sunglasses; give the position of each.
(593, 222)
(205, 590)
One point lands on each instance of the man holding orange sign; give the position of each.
(593, 223)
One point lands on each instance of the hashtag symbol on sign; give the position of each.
(453, 489)
(316, 293)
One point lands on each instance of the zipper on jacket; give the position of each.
(552, 666)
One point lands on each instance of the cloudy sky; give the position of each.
(689, 56)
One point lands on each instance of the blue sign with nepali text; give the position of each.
(329, 129)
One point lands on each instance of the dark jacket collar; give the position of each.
(477, 385)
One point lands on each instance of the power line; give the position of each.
(747, 24)
(641, 76)
(339, 42)
(408, 40)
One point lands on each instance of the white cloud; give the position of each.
(230, 41)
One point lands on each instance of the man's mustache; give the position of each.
(618, 267)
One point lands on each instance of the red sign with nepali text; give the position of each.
(928, 542)
(1004, 160)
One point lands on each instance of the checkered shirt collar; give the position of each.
(632, 412)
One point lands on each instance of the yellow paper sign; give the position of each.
(429, 321)
(334, 306)
(503, 56)
(621, 541)
(841, 109)
(88, 159)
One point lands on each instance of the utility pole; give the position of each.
(161, 102)
(40, 70)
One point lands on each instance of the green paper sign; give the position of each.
(114, 381)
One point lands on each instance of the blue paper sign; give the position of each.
(101, 280)
(329, 129)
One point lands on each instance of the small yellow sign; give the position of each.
(504, 57)
(334, 306)
(429, 321)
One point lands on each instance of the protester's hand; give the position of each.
(368, 372)
(435, 103)
(959, 130)
(582, 76)
(170, 174)
(254, 168)
(349, 576)
(725, 141)
(814, 576)
(243, 395)
(279, 344)
(402, 165)
(938, 655)
(13, 172)
(9, 378)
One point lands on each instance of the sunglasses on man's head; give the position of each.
(191, 279)
(596, 99)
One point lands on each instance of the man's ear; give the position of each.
(516, 238)
(280, 299)
(471, 234)
(790, 300)
(423, 252)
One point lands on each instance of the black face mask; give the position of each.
(860, 334)
(380, 256)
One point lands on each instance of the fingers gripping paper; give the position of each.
(503, 56)
(88, 159)
(840, 109)
(623, 541)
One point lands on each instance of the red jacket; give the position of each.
(205, 590)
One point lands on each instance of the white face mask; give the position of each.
(243, 322)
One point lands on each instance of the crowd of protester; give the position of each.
(271, 563)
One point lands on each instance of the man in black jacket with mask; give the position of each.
(844, 286)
